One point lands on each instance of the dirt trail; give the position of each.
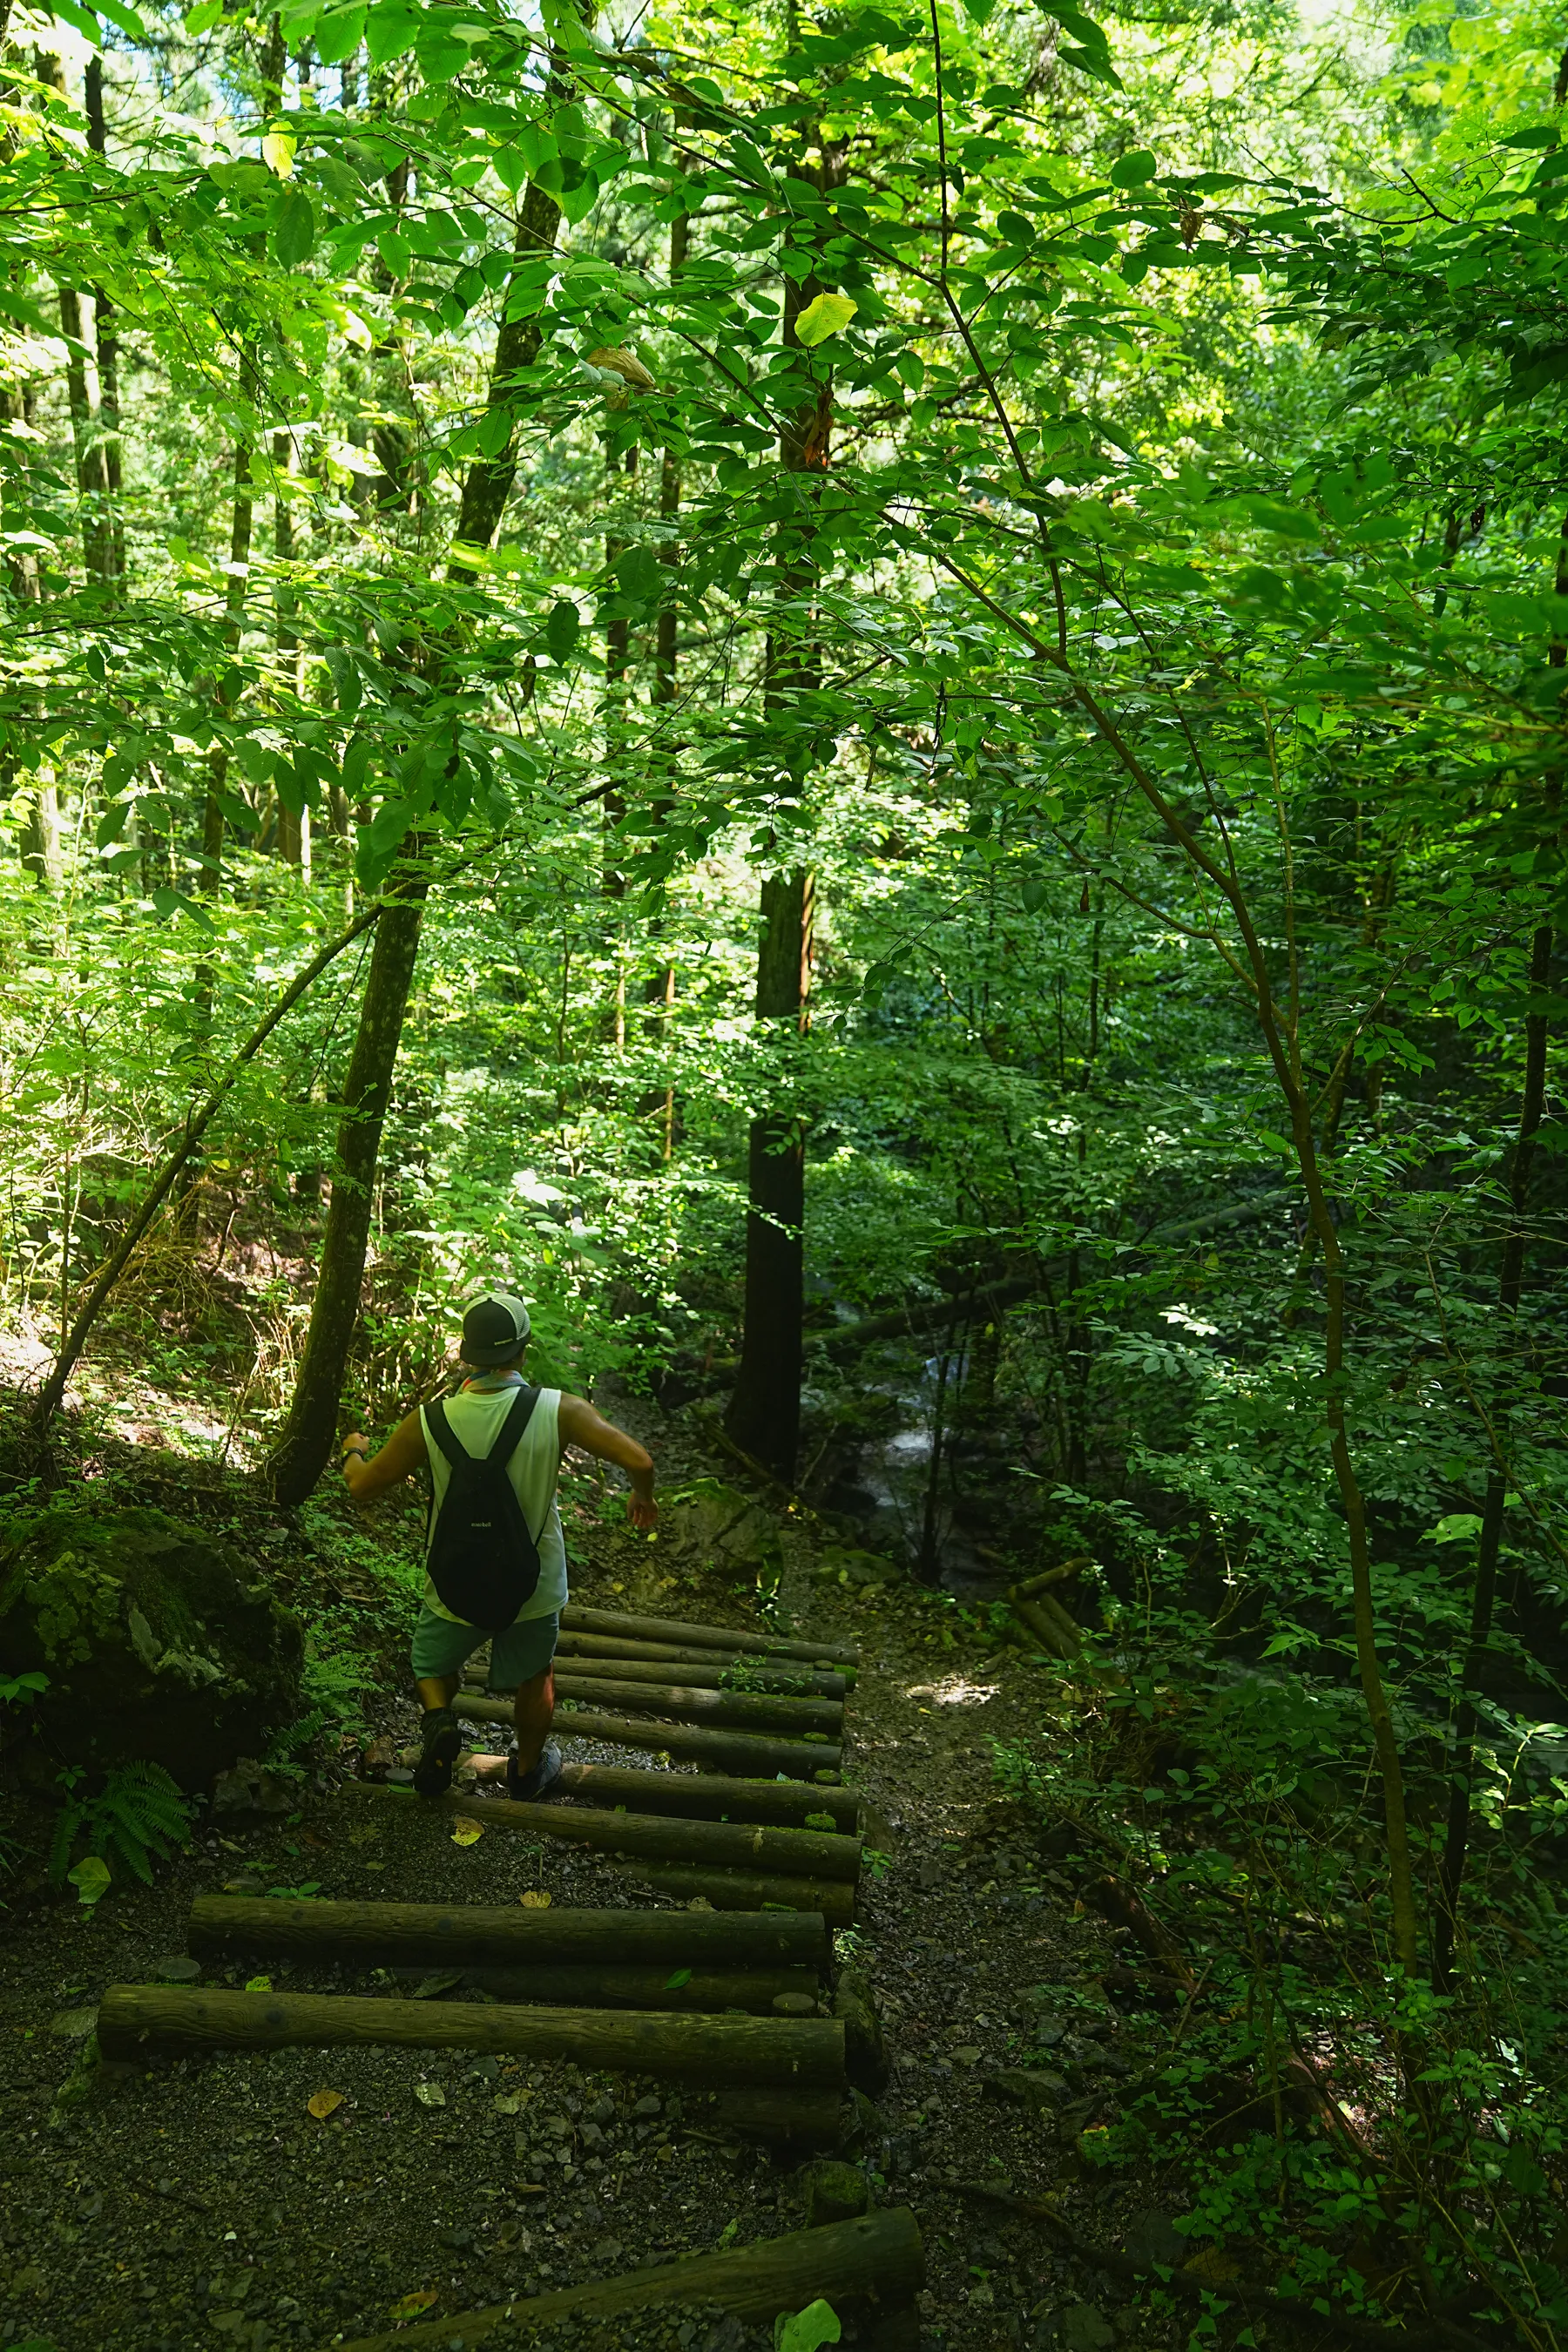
(203, 2206)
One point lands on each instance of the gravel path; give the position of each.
(203, 2205)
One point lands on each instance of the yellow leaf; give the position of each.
(257, 1984)
(536, 1898)
(828, 315)
(465, 1832)
(278, 153)
(627, 365)
(322, 2104)
(409, 2306)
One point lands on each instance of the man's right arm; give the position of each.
(403, 1453)
(580, 1423)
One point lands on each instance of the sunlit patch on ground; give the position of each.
(954, 1690)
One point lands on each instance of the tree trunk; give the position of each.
(106, 330)
(306, 1442)
(87, 441)
(1511, 1285)
(763, 1414)
(293, 825)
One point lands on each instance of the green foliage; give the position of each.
(137, 1817)
(807, 2330)
(331, 1689)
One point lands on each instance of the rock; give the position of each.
(1152, 2237)
(832, 2192)
(723, 1526)
(1027, 2086)
(649, 2105)
(175, 1967)
(159, 1643)
(73, 2024)
(250, 1788)
(1085, 2329)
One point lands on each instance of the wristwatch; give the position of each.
(359, 1452)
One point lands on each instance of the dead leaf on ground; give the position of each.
(257, 1984)
(535, 1898)
(409, 2306)
(465, 1832)
(430, 2094)
(322, 2104)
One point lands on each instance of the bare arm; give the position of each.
(580, 1424)
(403, 1453)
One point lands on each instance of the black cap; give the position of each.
(494, 1328)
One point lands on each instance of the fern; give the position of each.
(138, 1816)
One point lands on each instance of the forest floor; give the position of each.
(202, 2205)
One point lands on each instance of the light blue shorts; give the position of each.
(442, 1647)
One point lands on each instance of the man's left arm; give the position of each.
(368, 1475)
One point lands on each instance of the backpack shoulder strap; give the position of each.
(509, 1437)
(441, 1429)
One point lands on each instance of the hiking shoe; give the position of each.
(528, 1787)
(442, 1738)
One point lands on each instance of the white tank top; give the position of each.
(474, 1416)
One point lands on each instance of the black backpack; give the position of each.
(482, 1561)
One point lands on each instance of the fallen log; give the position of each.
(475, 1934)
(812, 2117)
(712, 1672)
(141, 2021)
(732, 1751)
(876, 2261)
(735, 1890)
(576, 1619)
(1033, 1586)
(604, 1645)
(709, 1795)
(1045, 1627)
(721, 1845)
(749, 1710)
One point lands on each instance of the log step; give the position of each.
(648, 1944)
(740, 1890)
(576, 1619)
(758, 1991)
(599, 1646)
(688, 1703)
(736, 1845)
(709, 1795)
(876, 2262)
(141, 2021)
(734, 1752)
(701, 1670)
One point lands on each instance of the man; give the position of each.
(495, 1409)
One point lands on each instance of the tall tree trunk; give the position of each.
(86, 439)
(764, 1413)
(305, 1443)
(293, 825)
(619, 472)
(1483, 1598)
(106, 330)
(660, 992)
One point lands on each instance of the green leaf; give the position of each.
(494, 431)
(809, 2329)
(294, 229)
(91, 1880)
(127, 20)
(167, 902)
(562, 630)
(674, 1983)
(828, 315)
(389, 30)
(203, 17)
(339, 34)
(1132, 171)
(80, 20)
(395, 253)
